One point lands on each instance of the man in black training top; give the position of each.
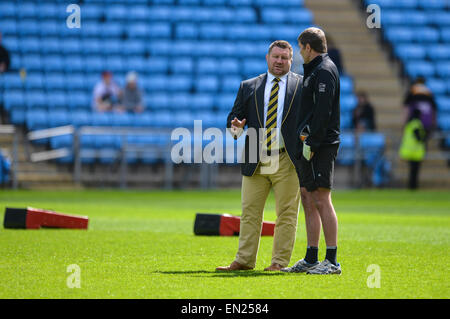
(319, 131)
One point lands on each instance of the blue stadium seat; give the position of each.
(27, 10)
(202, 101)
(229, 66)
(433, 4)
(254, 67)
(427, 35)
(143, 120)
(94, 64)
(111, 30)
(71, 46)
(28, 27)
(348, 102)
(116, 12)
(115, 64)
(92, 46)
(444, 122)
(410, 51)
(11, 81)
(29, 45)
(36, 120)
(53, 63)
(182, 65)
(133, 46)
(186, 31)
(55, 81)
(372, 145)
(437, 86)
(122, 119)
(419, 68)
(58, 118)
(207, 83)
(138, 13)
(33, 63)
(74, 63)
(159, 101)
(163, 119)
(36, 99)
(48, 28)
(207, 66)
(61, 141)
(8, 10)
(50, 45)
(180, 101)
(13, 99)
(441, 18)
(160, 13)
(91, 11)
(8, 27)
(399, 34)
(101, 119)
(225, 101)
(346, 155)
(346, 84)
(273, 15)
(179, 83)
(245, 15)
(445, 34)
(137, 63)
(212, 31)
(443, 69)
(439, 52)
(231, 83)
(443, 103)
(90, 29)
(57, 100)
(81, 118)
(34, 81)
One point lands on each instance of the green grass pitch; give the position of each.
(141, 245)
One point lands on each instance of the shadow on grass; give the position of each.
(223, 274)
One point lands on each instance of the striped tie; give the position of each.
(271, 120)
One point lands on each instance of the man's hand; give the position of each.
(237, 127)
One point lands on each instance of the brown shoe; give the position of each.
(233, 266)
(273, 267)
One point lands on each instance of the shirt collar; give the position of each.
(270, 77)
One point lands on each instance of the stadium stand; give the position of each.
(190, 57)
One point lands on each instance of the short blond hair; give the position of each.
(281, 44)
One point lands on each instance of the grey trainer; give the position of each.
(326, 268)
(301, 266)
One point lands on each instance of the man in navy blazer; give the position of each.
(268, 105)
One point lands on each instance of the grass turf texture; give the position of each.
(141, 245)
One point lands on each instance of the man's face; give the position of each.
(279, 61)
(305, 51)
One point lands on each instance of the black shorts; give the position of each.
(318, 173)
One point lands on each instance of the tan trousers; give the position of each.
(255, 190)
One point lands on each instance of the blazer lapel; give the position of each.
(259, 98)
(291, 88)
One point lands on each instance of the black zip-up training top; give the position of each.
(319, 106)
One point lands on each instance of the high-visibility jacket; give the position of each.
(412, 147)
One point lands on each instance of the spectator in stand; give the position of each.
(412, 147)
(364, 114)
(335, 54)
(106, 94)
(420, 97)
(131, 96)
(5, 60)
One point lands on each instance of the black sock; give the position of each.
(331, 255)
(311, 254)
